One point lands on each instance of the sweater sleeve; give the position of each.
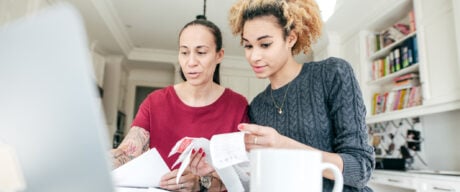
(348, 113)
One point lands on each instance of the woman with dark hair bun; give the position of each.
(197, 107)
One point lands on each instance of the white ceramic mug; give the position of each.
(290, 170)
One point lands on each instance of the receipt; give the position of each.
(223, 151)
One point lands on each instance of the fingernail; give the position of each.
(203, 155)
(201, 150)
(193, 151)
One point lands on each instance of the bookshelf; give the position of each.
(438, 68)
(391, 53)
(389, 78)
(386, 50)
(437, 65)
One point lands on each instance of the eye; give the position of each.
(183, 53)
(265, 45)
(247, 46)
(201, 53)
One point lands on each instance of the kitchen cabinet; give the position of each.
(382, 181)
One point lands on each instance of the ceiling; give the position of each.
(147, 30)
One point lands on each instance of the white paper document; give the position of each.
(227, 150)
(126, 189)
(223, 151)
(143, 171)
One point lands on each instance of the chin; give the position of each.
(261, 75)
(194, 82)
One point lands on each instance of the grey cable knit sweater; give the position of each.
(323, 109)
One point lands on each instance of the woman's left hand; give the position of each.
(198, 164)
(188, 181)
(261, 136)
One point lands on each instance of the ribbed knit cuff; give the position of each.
(354, 173)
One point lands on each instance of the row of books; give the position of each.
(392, 34)
(396, 100)
(405, 93)
(402, 56)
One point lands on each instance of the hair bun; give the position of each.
(201, 17)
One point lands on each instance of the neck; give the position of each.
(286, 74)
(197, 96)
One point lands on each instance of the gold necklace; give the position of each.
(280, 108)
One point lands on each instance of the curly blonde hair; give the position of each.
(301, 16)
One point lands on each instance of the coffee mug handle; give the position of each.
(338, 179)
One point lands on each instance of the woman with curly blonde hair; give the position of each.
(314, 106)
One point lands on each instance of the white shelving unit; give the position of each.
(438, 68)
(438, 65)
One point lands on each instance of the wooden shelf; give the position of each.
(389, 78)
(386, 50)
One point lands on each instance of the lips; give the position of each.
(258, 69)
(193, 74)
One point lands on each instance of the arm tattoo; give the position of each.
(134, 144)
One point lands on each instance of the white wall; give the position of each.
(442, 139)
(111, 86)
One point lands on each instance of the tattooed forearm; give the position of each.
(146, 147)
(134, 144)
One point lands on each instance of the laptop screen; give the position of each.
(49, 108)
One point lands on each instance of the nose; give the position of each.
(253, 55)
(192, 60)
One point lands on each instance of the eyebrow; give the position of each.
(198, 47)
(259, 38)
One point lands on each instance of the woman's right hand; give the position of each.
(258, 136)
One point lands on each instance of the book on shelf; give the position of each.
(390, 35)
(402, 97)
(407, 99)
(416, 98)
(395, 104)
(411, 16)
(390, 101)
(405, 57)
(407, 83)
(403, 28)
(396, 100)
(412, 46)
(405, 77)
(397, 63)
(392, 62)
(400, 57)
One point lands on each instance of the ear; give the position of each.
(291, 39)
(220, 56)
